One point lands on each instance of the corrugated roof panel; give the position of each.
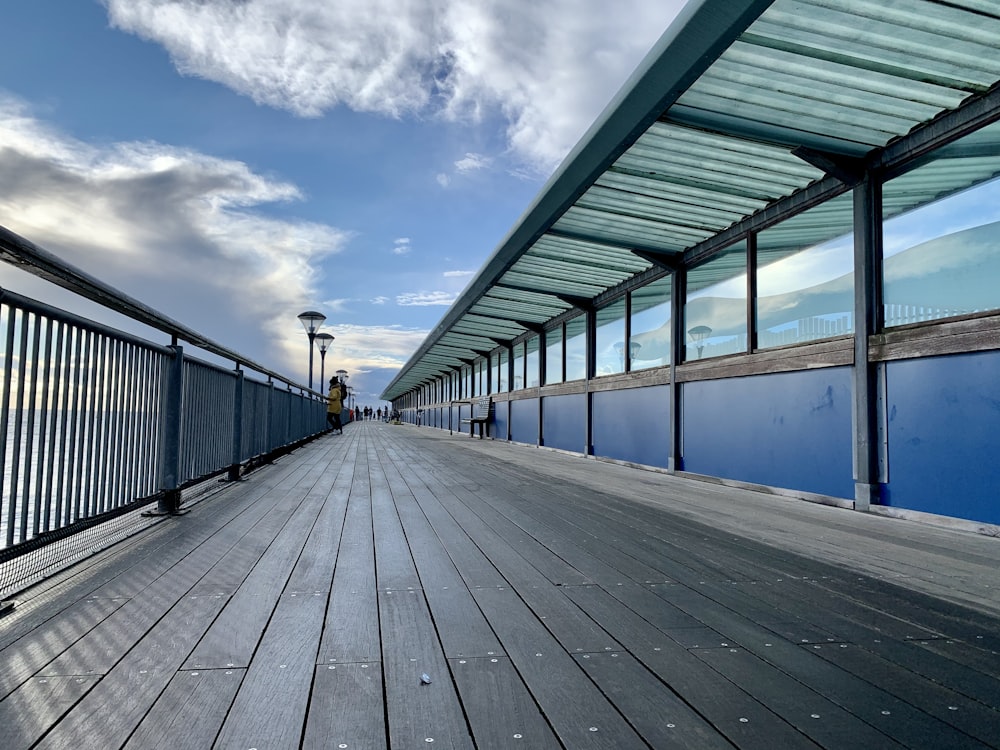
(541, 299)
(620, 228)
(593, 254)
(554, 286)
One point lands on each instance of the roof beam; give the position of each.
(580, 303)
(671, 262)
(847, 169)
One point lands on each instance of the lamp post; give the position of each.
(311, 321)
(698, 335)
(323, 342)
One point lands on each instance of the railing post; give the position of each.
(269, 419)
(170, 436)
(237, 455)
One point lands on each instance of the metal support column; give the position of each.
(867, 320)
(237, 454)
(678, 291)
(170, 436)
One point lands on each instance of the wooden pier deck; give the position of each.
(403, 588)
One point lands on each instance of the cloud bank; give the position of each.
(128, 212)
(546, 67)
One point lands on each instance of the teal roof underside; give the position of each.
(741, 106)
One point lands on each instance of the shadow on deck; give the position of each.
(402, 588)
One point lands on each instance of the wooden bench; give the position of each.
(480, 416)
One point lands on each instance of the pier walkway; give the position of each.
(402, 588)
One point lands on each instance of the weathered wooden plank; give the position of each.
(29, 712)
(808, 711)
(352, 631)
(499, 706)
(234, 636)
(314, 569)
(579, 714)
(474, 567)
(873, 705)
(393, 563)
(29, 654)
(979, 720)
(662, 718)
(531, 555)
(109, 713)
(270, 707)
(346, 708)
(460, 625)
(734, 712)
(189, 712)
(418, 713)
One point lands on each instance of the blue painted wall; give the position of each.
(524, 421)
(564, 422)
(943, 432)
(633, 425)
(498, 427)
(790, 430)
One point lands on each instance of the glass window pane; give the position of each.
(494, 372)
(531, 362)
(576, 348)
(805, 276)
(715, 311)
(554, 356)
(518, 366)
(502, 372)
(650, 342)
(941, 233)
(611, 339)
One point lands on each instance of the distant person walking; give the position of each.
(379, 412)
(334, 405)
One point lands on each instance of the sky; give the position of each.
(232, 163)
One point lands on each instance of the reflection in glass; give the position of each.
(554, 356)
(531, 362)
(715, 312)
(611, 339)
(941, 233)
(518, 367)
(576, 348)
(805, 276)
(502, 372)
(650, 341)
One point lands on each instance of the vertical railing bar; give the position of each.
(65, 446)
(96, 376)
(138, 409)
(118, 439)
(29, 441)
(106, 399)
(43, 431)
(80, 447)
(132, 408)
(117, 415)
(152, 408)
(53, 504)
(8, 367)
(19, 423)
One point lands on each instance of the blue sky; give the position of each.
(232, 163)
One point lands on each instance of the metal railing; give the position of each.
(97, 424)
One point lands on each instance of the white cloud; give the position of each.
(472, 163)
(425, 298)
(127, 212)
(443, 180)
(547, 67)
(372, 355)
(457, 274)
(401, 246)
(379, 300)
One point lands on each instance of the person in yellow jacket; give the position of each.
(334, 405)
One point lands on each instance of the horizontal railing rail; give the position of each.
(96, 423)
